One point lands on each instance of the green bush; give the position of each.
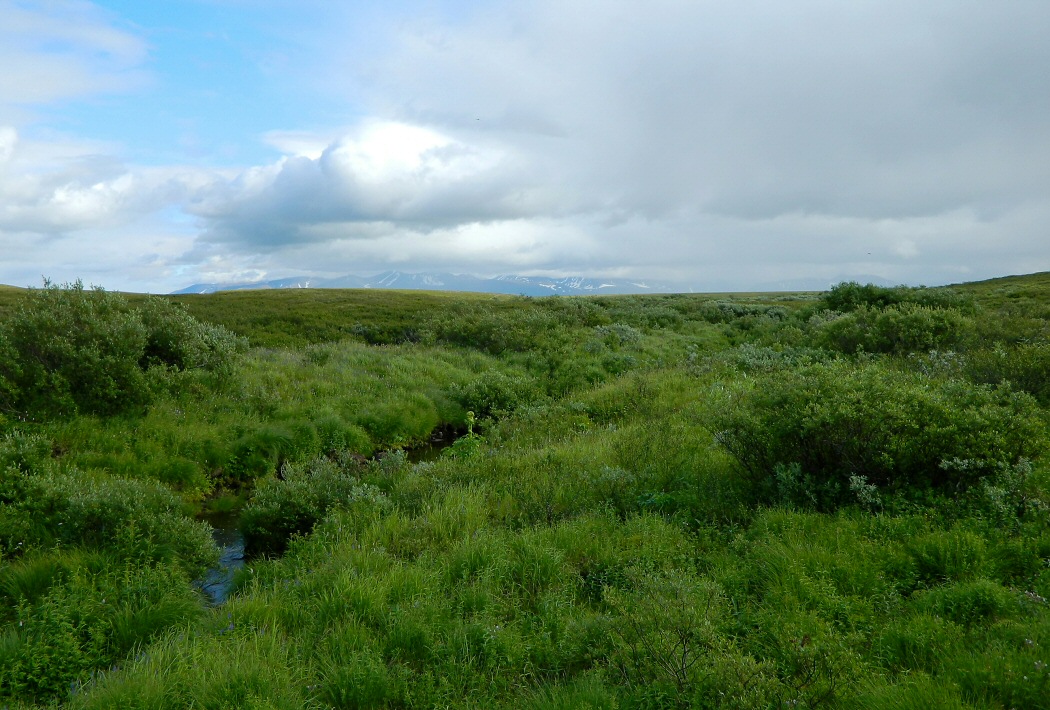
(849, 296)
(25, 451)
(75, 349)
(337, 435)
(830, 432)
(729, 311)
(86, 619)
(395, 422)
(68, 349)
(139, 520)
(898, 329)
(177, 340)
(494, 330)
(292, 504)
(263, 451)
(495, 394)
(970, 602)
(1025, 366)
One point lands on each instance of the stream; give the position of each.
(217, 581)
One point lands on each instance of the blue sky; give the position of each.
(215, 77)
(150, 145)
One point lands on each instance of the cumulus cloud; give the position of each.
(728, 145)
(59, 186)
(728, 122)
(382, 172)
(684, 139)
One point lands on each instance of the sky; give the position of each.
(753, 144)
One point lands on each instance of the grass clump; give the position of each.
(746, 501)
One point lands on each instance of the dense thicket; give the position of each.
(832, 431)
(69, 349)
(753, 501)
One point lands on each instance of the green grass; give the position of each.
(297, 317)
(596, 546)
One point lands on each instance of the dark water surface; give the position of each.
(217, 581)
(431, 450)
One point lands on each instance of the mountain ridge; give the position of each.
(509, 284)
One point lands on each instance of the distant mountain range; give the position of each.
(508, 284)
(524, 285)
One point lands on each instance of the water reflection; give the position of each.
(218, 580)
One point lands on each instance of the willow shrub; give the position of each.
(898, 329)
(833, 433)
(850, 295)
(68, 616)
(68, 349)
(299, 498)
(1025, 366)
(139, 520)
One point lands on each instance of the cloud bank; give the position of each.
(723, 145)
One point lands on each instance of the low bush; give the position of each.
(850, 296)
(140, 520)
(495, 394)
(292, 503)
(970, 602)
(1025, 366)
(69, 349)
(837, 433)
(897, 329)
(82, 619)
(396, 422)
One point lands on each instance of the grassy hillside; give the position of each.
(835, 500)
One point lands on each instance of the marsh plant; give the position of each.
(660, 501)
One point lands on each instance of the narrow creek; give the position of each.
(217, 581)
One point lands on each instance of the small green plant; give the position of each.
(294, 502)
(467, 446)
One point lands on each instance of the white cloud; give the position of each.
(8, 139)
(397, 173)
(59, 186)
(718, 143)
(61, 49)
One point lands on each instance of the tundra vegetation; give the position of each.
(833, 500)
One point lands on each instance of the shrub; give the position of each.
(729, 311)
(830, 423)
(396, 422)
(75, 349)
(897, 329)
(24, 451)
(1025, 366)
(69, 349)
(336, 435)
(139, 520)
(483, 327)
(292, 504)
(86, 620)
(257, 453)
(495, 394)
(177, 340)
(969, 602)
(666, 628)
(849, 296)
